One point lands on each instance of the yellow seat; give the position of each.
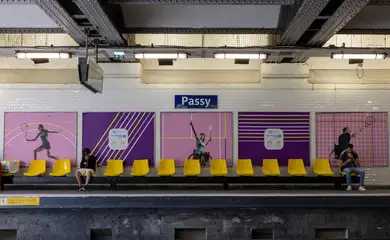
(191, 167)
(322, 167)
(218, 167)
(114, 168)
(343, 173)
(140, 168)
(296, 167)
(166, 167)
(244, 167)
(270, 167)
(36, 168)
(61, 168)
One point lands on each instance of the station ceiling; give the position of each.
(118, 23)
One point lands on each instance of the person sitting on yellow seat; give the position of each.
(350, 164)
(87, 168)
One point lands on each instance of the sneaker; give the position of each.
(362, 189)
(349, 188)
(81, 189)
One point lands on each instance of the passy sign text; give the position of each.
(196, 101)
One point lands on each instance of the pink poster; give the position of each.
(369, 136)
(41, 135)
(178, 140)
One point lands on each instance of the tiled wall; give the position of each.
(125, 92)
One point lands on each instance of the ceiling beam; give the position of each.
(31, 30)
(347, 10)
(205, 2)
(99, 19)
(59, 15)
(305, 16)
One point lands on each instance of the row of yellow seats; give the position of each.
(296, 167)
(62, 167)
(140, 168)
(244, 167)
(218, 167)
(191, 167)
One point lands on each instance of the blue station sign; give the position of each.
(196, 101)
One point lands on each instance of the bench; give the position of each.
(114, 174)
(225, 181)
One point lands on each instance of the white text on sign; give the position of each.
(195, 102)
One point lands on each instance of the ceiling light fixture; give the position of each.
(40, 55)
(372, 56)
(160, 55)
(240, 56)
(119, 53)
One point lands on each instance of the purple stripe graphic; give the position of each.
(144, 124)
(274, 114)
(126, 125)
(105, 148)
(140, 141)
(296, 129)
(280, 126)
(145, 127)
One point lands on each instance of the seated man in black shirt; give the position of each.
(350, 164)
(87, 168)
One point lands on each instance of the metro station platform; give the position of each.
(206, 198)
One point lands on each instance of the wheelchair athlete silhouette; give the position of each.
(199, 153)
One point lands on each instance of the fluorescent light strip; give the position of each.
(37, 55)
(160, 55)
(358, 56)
(240, 56)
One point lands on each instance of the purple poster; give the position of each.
(40, 135)
(119, 135)
(280, 135)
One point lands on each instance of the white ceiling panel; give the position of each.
(371, 17)
(200, 16)
(24, 16)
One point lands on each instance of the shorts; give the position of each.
(83, 171)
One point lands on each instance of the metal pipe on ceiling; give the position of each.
(305, 16)
(58, 14)
(96, 15)
(348, 10)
